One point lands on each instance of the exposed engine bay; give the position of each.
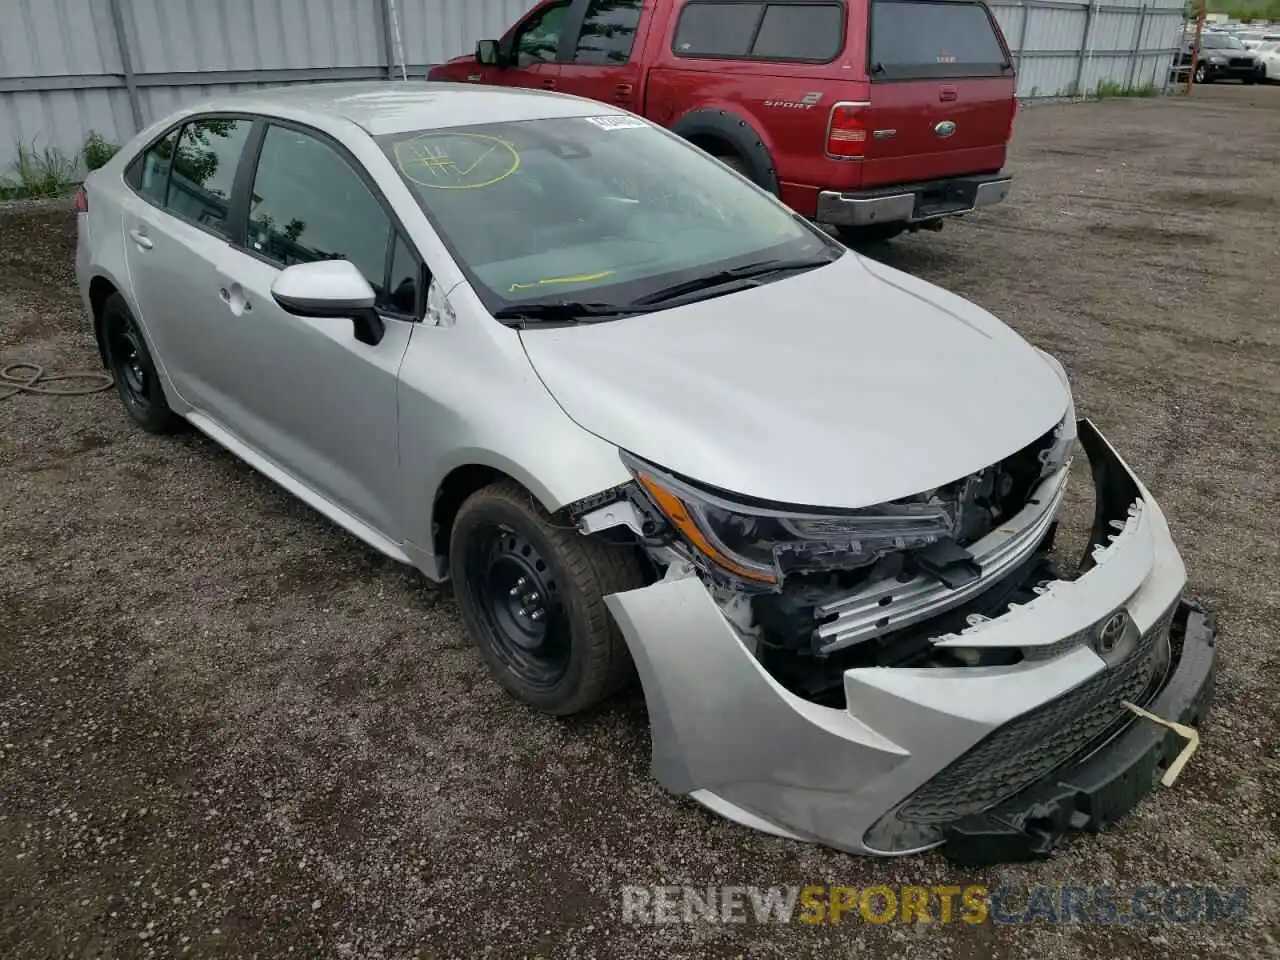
(813, 596)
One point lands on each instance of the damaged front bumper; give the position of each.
(994, 762)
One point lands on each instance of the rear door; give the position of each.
(602, 64)
(942, 91)
(177, 224)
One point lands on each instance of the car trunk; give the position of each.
(942, 92)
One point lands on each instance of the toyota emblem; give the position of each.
(1110, 633)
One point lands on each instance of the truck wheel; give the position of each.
(531, 594)
(872, 233)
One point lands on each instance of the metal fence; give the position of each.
(112, 66)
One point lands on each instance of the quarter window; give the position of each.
(149, 173)
(308, 204)
(812, 32)
(204, 169)
(539, 38)
(608, 32)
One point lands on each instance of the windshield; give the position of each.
(601, 209)
(1215, 42)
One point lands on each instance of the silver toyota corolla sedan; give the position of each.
(648, 421)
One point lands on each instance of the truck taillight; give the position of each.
(847, 133)
(82, 201)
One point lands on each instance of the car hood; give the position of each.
(846, 386)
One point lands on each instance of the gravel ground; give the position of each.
(228, 728)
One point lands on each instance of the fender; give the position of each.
(739, 133)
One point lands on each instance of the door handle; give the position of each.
(624, 89)
(141, 239)
(549, 83)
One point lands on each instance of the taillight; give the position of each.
(82, 201)
(847, 132)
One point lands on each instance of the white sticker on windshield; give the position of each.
(619, 122)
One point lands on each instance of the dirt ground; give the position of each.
(228, 729)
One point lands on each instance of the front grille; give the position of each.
(1032, 745)
(1241, 62)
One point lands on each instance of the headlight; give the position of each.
(1215, 59)
(764, 544)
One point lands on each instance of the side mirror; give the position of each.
(330, 288)
(488, 54)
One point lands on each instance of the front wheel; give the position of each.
(531, 594)
(872, 233)
(1202, 75)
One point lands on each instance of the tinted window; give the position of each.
(406, 276)
(149, 174)
(800, 32)
(717, 29)
(775, 31)
(911, 38)
(1212, 41)
(309, 204)
(539, 38)
(204, 169)
(608, 32)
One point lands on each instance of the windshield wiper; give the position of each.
(722, 278)
(563, 311)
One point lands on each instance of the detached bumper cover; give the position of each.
(912, 202)
(728, 735)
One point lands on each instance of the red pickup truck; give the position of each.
(872, 116)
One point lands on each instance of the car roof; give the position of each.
(386, 106)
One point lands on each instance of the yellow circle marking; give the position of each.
(456, 161)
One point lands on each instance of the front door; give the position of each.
(310, 396)
(534, 49)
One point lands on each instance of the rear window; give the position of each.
(805, 32)
(923, 39)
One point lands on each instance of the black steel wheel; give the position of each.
(131, 366)
(531, 594)
(519, 602)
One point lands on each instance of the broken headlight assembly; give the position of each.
(762, 544)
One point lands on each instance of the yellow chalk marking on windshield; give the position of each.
(456, 161)
(548, 281)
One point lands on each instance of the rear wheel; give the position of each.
(131, 365)
(532, 596)
(870, 234)
(1202, 75)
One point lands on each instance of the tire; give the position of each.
(531, 594)
(735, 163)
(1249, 81)
(131, 366)
(1202, 75)
(873, 233)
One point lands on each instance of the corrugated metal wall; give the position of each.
(70, 66)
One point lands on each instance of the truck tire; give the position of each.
(732, 140)
(531, 594)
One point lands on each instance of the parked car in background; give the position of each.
(872, 131)
(1268, 54)
(647, 420)
(1254, 39)
(1221, 57)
